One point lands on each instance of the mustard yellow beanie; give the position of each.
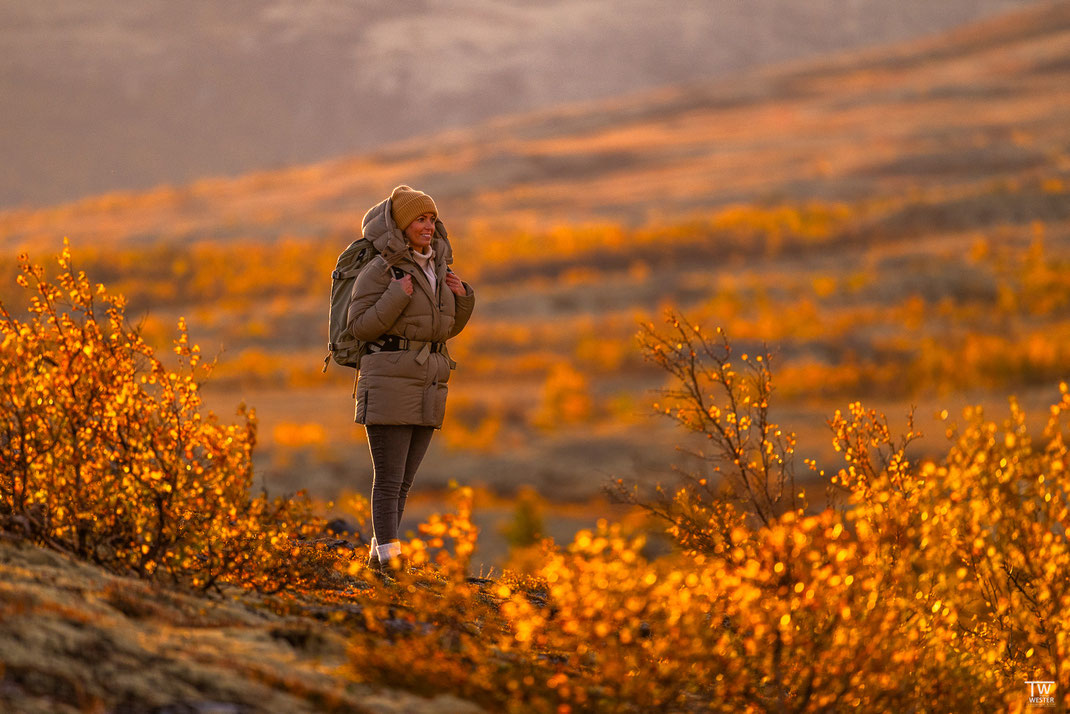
(408, 203)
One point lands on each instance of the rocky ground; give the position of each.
(75, 638)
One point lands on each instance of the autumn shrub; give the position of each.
(565, 399)
(105, 451)
(475, 426)
(430, 629)
(931, 586)
(526, 526)
(726, 403)
(984, 531)
(935, 585)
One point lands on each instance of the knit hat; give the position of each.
(408, 203)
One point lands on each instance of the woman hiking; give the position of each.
(405, 304)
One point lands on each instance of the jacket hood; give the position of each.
(379, 227)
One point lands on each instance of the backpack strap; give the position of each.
(345, 274)
(333, 347)
(445, 353)
(344, 345)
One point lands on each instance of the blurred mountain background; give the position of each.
(106, 95)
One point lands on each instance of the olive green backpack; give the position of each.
(343, 347)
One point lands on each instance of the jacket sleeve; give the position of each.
(376, 304)
(465, 304)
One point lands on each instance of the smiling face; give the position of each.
(420, 232)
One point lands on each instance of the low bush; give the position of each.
(933, 586)
(105, 452)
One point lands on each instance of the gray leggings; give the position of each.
(397, 451)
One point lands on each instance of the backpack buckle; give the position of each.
(336, 274)
(390, 343)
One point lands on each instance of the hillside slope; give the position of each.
(76, 638)
(112, 95)
(984, 103)
(893, 224)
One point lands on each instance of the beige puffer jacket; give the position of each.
(406, 386)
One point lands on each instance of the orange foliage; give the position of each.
(938, 585)
(566, 398)
(290, 434)
(867, 331)
(104, 452)
(934, 585)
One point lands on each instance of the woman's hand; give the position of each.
(454, 283)
(406, 284)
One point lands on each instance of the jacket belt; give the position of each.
(395, 343)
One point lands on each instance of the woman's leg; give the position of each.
(421, 439)
(389, 446)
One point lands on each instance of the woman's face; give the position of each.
(420, 231)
